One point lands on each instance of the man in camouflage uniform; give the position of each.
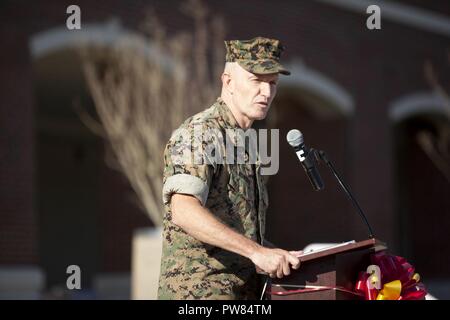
(215, 210)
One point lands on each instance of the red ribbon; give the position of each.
(361, 287)
(311, 288)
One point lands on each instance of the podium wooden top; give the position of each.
(378, 246)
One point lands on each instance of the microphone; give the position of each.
(295, 139)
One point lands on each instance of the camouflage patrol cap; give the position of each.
(258, 55)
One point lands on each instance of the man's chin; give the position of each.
(261, 114)
(261, 117)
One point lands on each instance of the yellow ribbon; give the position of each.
(390, 291)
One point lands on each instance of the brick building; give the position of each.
(359, 94)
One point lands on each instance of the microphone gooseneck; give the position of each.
(346, 189)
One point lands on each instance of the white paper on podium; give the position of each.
(318, 247)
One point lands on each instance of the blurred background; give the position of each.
(89, 95)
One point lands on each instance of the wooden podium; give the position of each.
(322, 271)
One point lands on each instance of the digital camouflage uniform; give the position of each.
(234, 193)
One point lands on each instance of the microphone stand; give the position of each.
(322, 155)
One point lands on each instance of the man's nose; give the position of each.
(266, 89)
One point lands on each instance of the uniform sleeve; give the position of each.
(185, 168)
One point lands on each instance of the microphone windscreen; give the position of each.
(294, 137)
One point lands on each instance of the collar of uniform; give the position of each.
(231, 123)
(226, 114)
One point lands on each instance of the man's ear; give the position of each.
(227, 82)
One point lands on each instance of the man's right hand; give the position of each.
(274, 262)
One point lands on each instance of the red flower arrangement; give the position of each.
(390, 277)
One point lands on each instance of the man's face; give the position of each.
(253, 93)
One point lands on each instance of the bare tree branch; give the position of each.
(426, 142)
(140, 98)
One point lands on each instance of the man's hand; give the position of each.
(275, 262)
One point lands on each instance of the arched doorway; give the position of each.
(84, 210)
(422, 188)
